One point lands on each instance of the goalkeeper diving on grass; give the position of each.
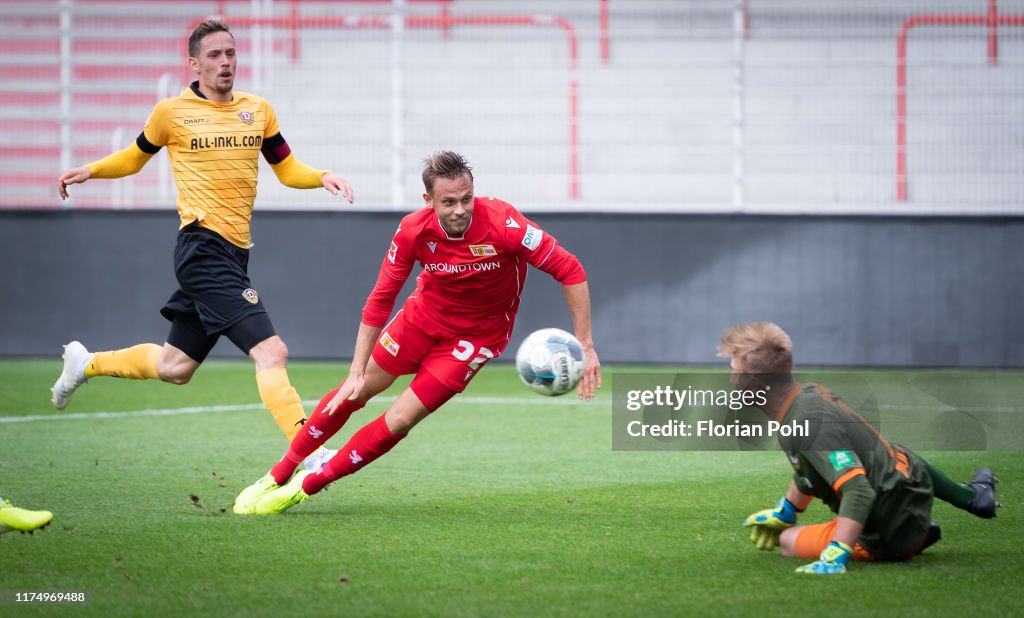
(881, 492)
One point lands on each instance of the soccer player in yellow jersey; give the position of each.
(214, 137)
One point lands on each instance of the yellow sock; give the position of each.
(136, 363)
(282, 400)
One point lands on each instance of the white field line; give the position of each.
(84, 416)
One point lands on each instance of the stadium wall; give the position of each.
(851, 291)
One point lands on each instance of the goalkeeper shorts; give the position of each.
(812, 540)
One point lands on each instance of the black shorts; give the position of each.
(214, 280)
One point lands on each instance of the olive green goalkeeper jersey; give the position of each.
(842, 446)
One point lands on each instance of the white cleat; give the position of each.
(76, 359)
(318, 458)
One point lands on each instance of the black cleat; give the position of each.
(934, 536)
(984, 504)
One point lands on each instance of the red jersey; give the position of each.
(471, 283)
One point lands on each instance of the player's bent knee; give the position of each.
(174, 374)
(399, 423)
(787, 541)
(406, 412)
(175, 366)
(278, 349)
(270, 353)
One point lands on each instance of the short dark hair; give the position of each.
(444, 164)
(207, 27)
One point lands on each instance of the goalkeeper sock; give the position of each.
(135, 363)
(948, 490)
(282, 400)
(365, 446)
(317, 430)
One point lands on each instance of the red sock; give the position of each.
(365, 446)
(317, 430)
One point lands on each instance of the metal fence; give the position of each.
(745, 106)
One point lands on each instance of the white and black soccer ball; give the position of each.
(550, 361)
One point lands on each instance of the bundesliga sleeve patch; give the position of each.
(532, 238)
(841, 459)
(392, 252)
(389, 344)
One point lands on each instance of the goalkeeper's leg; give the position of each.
(978, 496)
(809, 541)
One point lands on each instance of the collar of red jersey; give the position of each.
(450, 237)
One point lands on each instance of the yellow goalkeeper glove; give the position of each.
(833, 560)
(768, 524)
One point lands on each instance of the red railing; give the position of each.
(444, 21)
(294, 13)
(992, 19)
(603, 19)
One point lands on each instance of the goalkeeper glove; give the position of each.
(768, 524)
(833, 560)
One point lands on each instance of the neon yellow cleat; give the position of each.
(22, 520)
(284, 497)
(245, 503)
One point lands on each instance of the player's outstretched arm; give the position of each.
(337, 184)
(577, 297)
(73, 176)
(298, 175)
(352, 387)
(124, 162)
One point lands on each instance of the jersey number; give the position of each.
(465, 350)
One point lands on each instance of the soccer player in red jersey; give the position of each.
(474, 253)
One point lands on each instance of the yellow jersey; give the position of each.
(214, 149)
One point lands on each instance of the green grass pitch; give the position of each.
(503, 503)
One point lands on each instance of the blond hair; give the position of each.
(761, 347)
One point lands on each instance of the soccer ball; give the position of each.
(550, 361)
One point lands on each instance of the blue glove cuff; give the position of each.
(837, 552)
(786, 512)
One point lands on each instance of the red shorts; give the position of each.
(402, 348)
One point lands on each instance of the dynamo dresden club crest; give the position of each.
(250, 295)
